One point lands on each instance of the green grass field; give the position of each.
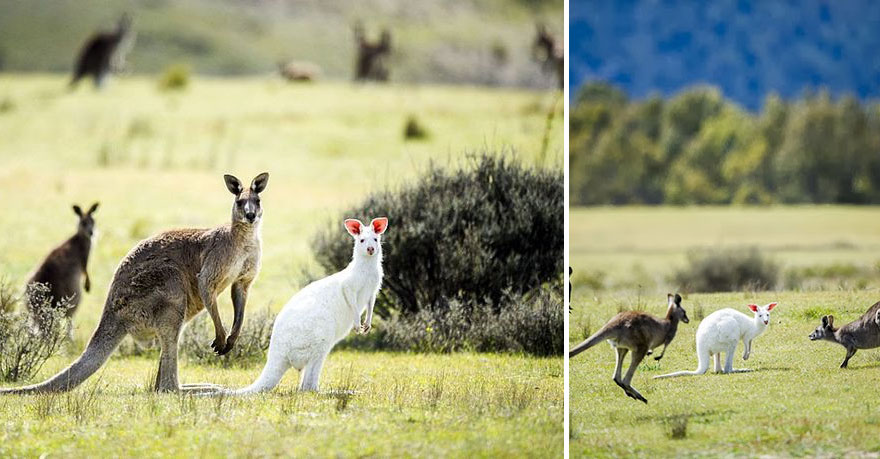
(628, 247)
(155, 161)
(797, 402)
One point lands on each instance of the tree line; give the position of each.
(698, 148)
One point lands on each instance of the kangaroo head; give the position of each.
(674, 310)
(762, 313)
(824, 331)
(246, 208)
(367, 238)
(86, 225)
(124, 24)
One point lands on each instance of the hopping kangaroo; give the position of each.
(721, 331)
(862, 333)
(65, 266)
(638, 332)
(103, 52)
(323, 313)
(165, 281)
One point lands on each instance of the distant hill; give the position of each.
(747, 48)
(471, 42)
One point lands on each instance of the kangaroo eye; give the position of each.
(375, 240)
(362, 241)
(257, 201)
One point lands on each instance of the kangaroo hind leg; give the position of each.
(637, 357)
(311, 374)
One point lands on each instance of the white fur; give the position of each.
(322, 314)
(720, 332)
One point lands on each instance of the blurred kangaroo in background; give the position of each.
(638, 332)
(104, 52)
(862, 333)
(548, 52)
(65, 266)
(165, 281)
(371, 56)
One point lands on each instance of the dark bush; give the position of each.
(530, 323)
(471, 236)
(29, 335)
(725, 270)
(414, 130)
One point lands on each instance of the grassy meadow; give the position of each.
(155, 159)
(797, 402)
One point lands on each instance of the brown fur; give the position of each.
(862, 333)
(638, 332)
(371, 56)
(165, 281)
(63, 269)
(96, 56)
(299, 71)
(551, 54)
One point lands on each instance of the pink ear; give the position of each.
(379, 225)
(353, 226)
(771, 306)
(753, 307)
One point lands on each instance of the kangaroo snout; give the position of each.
(250, 216)
(370, 250)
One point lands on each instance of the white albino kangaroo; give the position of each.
(720, 332)
(323, 313)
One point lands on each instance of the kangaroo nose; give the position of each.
(250, 216)
(370, 250)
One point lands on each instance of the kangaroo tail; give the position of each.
(702, 365)
(103, 342)
(593, 340)
(268, 379)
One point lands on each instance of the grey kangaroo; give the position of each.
(862, 333)
(65, 266)
(165, 281)
(638, 332)
(102, 51)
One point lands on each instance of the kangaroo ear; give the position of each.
(670, 299)
(353, 226)
(233, 184)
(831, 321)
(771, 306)
(678, 299)
(379, 225)
(93, 208)
(753, 307)
(824, 321)
(259, 183)
(77, 210)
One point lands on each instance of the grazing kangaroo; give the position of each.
(720, 332)
(104, 52)
(165, 281)
(323, 313)
(862, 333)
(547, 51)
(299, 71)
(66, 265)
(371, 56)
(638, 332)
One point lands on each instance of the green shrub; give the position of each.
(471, 236)
(531, 323)
(175, 78)
(414, 130)
(29, 335)
(726, 270)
